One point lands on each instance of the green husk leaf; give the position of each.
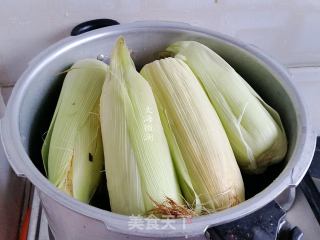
(61, 151)
(136, 150)
(254, 129)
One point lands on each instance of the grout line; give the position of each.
(7, 85)
(302, 66)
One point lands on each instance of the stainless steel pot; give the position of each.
(35, 92)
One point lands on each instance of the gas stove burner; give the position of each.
(267, 223)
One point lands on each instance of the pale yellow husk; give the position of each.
(198, 132)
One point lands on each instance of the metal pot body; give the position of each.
(30, 107)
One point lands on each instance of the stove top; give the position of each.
(292, 218)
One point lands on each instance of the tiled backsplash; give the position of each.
(288, 30)
(307, 81)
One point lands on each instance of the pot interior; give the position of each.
(45, 82)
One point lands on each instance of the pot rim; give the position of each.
(291, 175)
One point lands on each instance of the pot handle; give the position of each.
(92, 25)
(268, 223)
(17, 170)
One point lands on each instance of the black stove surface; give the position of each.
(315, 165)
(269, 223)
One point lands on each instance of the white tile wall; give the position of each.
(287, 29)
(307, 81)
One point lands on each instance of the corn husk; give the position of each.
(188, 192)
(254, 129)
(138, 164)
(199, 135)
(72, 151)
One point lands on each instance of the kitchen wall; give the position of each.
(287, 30)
